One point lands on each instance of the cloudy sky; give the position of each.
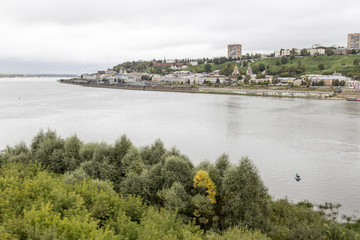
(73, 36)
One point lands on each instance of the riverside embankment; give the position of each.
(314, 94)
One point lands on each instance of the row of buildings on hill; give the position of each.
(353, 43)
(214, 77)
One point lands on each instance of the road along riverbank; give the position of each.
(212, 90)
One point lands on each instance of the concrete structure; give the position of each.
(353, 84)
(341, 51)
(236, 71)
(110, 72)
(311, 51)
(234, 51)
(123, 70)
(285, 52)
(328, 79)
(277, 53)
(353, 41)
(249, 71)
(316, 51)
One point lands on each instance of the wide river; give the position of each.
(319, 139)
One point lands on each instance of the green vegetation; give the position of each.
(291, 66)
(294, 66)
(66, 189)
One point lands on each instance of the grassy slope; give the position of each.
(339, 63)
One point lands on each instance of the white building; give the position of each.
(353, 84)
(316, 51)
(287, 52)
(328, 79)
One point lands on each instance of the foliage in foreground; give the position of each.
(102, 191)
(35, 204)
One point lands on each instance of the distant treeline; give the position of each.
(67, 189)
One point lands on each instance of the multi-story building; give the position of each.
(353, 41)
(234, 51)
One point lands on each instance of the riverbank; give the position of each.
(267, 92)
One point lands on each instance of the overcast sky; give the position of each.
(73, 36)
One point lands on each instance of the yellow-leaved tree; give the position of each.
(205, 185)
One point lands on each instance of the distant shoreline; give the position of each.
(313, 94)
(2, 75)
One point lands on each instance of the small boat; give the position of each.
(297, 177)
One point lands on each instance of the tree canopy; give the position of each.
(68, 189)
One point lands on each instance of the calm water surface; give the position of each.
(318, 139)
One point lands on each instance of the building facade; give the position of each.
(353, 41)
(234, 51)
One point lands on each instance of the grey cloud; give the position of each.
(109, 31)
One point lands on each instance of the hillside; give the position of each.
(348, 65)
(340, 63)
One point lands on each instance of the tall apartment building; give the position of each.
(353, 41)
(234, 50)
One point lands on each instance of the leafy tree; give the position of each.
(133, 184)
(154, 183)
(321, 66)
(120, 149)
(132, 162)
(284, 60)
(205, 185)
(304, 52)
(256, 69)
(262, 67)
(336, 82)
(19, 153)
(245, 197)
(76, 176)
(222, 164)
(40, 137)
(220, 60)
(99, 165)
(207, 67)
(204, 211)
(48, 149)
(300, 67)
(87, 151)
(226, 70)
(307, 81)
(329, 52)
(153, 154)
(176, 169)
(72, 148)
(175, 198)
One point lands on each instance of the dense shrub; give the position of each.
(66, 189)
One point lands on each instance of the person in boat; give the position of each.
(297, 177)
